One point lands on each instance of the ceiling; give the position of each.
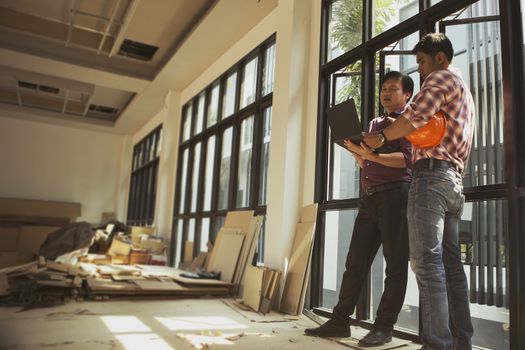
(108, 64)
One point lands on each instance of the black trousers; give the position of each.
(381, 220)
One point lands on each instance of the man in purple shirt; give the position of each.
(385, 179)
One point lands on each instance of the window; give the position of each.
(143, 184)
(225, 136)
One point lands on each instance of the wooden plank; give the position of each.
(247, 252)
(227, 255)
(251, 295)
(223, 231)
(240, 219)
(158, 285)
(298, 264)
(188, 252)
(309, 213)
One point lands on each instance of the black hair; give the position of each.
(406, 81)
(432, 43)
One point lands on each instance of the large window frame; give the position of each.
(143, 179)
(511, 190)
(188, 223)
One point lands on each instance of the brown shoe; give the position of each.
(331, 328)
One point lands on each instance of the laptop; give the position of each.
(344, 123)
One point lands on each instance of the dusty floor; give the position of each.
(159, 324)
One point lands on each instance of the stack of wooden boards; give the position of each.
(142, 280)
(234, 247)
(261, 288)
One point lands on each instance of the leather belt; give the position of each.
(370, 190)
(433, 163)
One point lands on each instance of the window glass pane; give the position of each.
(249, 83)
(228, 101)
(213, 108)
(218, 223)
(265, 155)
(186, 127)
(208, 175)
(191, 230)
(159, 143)
(179, 244)
(344, 175)
(338, 233)
(477, 53)
(184, 173)
(268, 70)
(205, 234)
(245, 163)
(200, 113)
(483, 238)
(345, 27)
(195, 177)
(224, 177)
(389, 13)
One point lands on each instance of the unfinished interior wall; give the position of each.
(59, 163)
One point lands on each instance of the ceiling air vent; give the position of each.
(139, 51)
(103, 109)
(44, 88)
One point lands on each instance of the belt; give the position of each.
(433, 163)
(370, 190)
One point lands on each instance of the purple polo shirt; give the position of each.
(374, 173)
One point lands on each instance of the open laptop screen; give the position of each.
(344, 123)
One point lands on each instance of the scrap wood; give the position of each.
(207, 338)
(58, 266)
(19, 268)
(126, 270)
(253, 316)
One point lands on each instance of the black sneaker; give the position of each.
(376, 338)
(331, 328)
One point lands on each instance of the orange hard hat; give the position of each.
(430, 134)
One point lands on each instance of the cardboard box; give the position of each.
(138, 231)
(9, 238)
(32, 237)
(120, 259)
(153, 245)
(8, 259)
(119, 247)
(38, 208)
(139, 258)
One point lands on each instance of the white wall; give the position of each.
(50, 162)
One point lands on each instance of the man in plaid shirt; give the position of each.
(435, 199)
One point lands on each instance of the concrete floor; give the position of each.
(157, 324)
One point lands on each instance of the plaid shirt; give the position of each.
(445, 90)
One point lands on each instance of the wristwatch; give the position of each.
(382, 137)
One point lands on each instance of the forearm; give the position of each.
(400, 128)
(393, 160)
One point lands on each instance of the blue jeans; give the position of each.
(435, 203)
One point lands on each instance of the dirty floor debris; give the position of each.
(183, 324)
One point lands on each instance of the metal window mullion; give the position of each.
(475, 264)
(234, 166)
(488, 102)
(491, 232)
(482, 219)
(499, 256)
(497, 106)
(257, 147)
